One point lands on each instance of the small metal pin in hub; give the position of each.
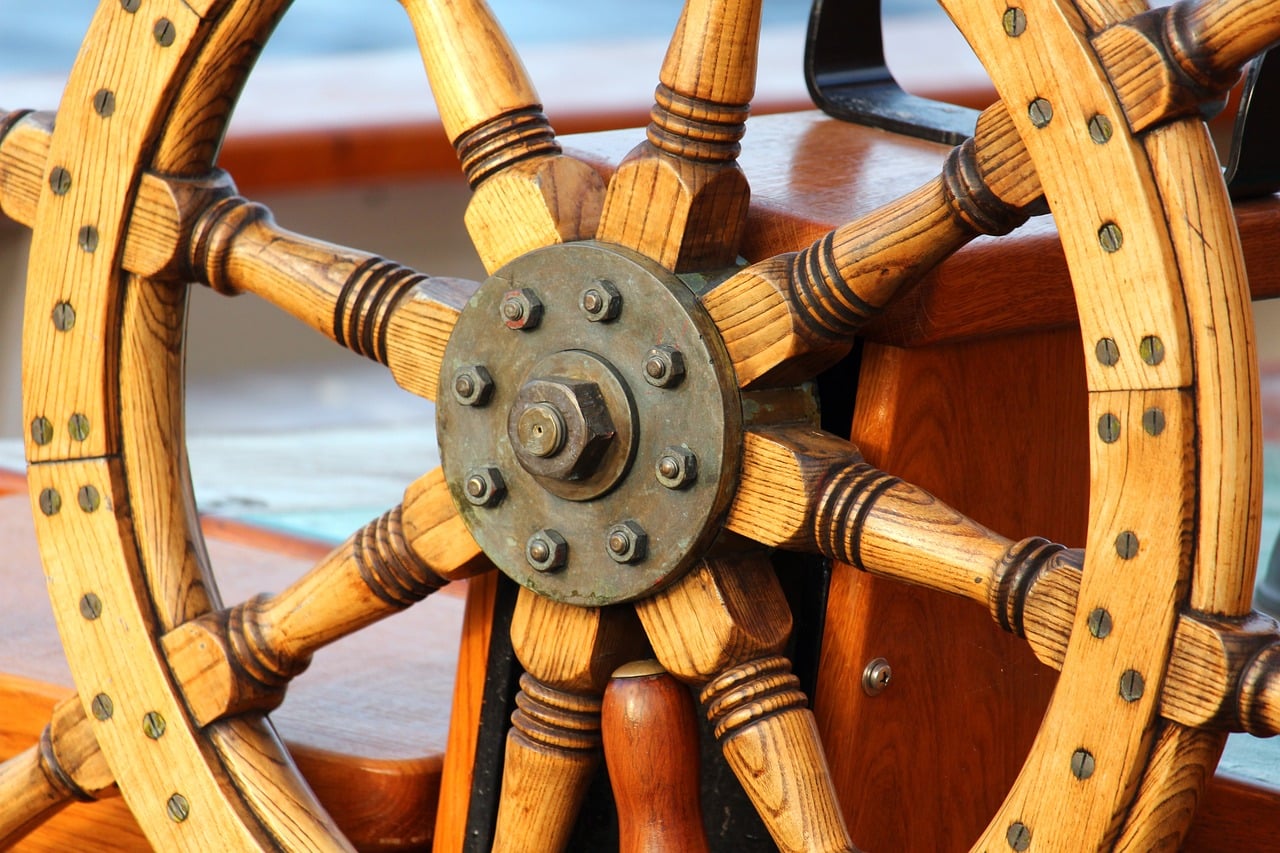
(541, 430)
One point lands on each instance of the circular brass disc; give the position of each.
(697, 413)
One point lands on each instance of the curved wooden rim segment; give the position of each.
(1146, 346)
(121, 523)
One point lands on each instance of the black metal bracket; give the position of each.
(848, 78)
(1253, 165)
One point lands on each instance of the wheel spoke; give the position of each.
(64, 767)
(785, 318)
(553, 747)
(243, 658)
(527, 193)
(723, 627)
(379, 309)
(24, 149)
(680, 197)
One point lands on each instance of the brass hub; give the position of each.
(612, 431)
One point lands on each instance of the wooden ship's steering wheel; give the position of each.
(617, 416)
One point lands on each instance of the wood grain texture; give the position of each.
(984, 426)
(527, 193)
(722, 627)
(374, 307)
(650, 738)
(553, 747)
(680, 197)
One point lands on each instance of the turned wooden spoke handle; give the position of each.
(1211, 40)
(242, 659)
(553, 750)
(64, 767)
(379, 309)
(650, 736)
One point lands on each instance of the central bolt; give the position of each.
(541, 430)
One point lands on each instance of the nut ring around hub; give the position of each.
(702, 413)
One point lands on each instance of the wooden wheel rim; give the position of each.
(173, 70)
(228, 781)
(1156, 266)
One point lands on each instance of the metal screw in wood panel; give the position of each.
(1100, 623)
(104, 102)
(90, 606)
(1100, 129)
(102, 707)
(1151, 348)
(41, 430)
(88, 498)
(1127, 545)
(87, 239)
(164, 32)
(1018, 836)
(1153, 421)
(1110, 237)
(1132, 685)
(153, 725)
(876, 676)
(130, 6)
(1082, 764)
(1107, 352)
(64, 317)
(59, 180)
(79, 426)
(1040, 111)
(178, 808)
(1014, 21)
(50, 502)
(1109, 428)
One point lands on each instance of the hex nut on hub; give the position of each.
(547, 550)
(521, 309)
(601, 302)
(472, 385)
(484, 486)
(559, 427)
(627, 542)
(677, 467)
(664, 366)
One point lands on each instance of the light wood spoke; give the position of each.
(374, 307)
(789, 316)
(554, 745)
(680, 197)
(64, 767)
(723, 627)
(243, 658)
(527, 193)
(24, 148)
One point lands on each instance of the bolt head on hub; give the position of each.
(484, 486)
(664, 366)
(560, 427)
(472, 385)
(521, 309)
(627, 542)
(547, 550)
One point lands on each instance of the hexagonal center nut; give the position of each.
(559, 427)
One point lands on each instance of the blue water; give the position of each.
(43, 36)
